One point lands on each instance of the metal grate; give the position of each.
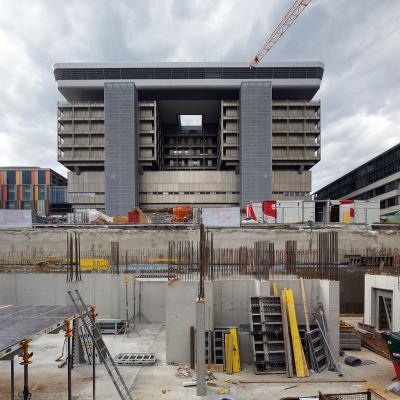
(368, 395)
(135, 359)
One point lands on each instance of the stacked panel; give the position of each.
(267, 335)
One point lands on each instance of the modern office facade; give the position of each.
(40, 189)
(377, 179)
(157, 135)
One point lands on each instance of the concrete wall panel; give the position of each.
(383, 282)
(181, 315)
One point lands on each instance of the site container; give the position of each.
(308, 211)
(366, 212)
(289, 212)
(300, 211)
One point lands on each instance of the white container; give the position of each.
(366, 212)
(308, 211)
(289, 212)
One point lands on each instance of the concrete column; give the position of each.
(200, 347)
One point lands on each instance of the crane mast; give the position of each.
(294, 11)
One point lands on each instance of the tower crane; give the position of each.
(294, 11)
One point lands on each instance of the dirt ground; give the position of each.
(160, 381)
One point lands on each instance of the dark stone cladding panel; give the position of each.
(121, 152)
(255, 142)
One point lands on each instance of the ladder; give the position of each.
(318, 354)
(94, 333)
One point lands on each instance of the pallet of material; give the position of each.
(267, 335)
(349, 339)
(372, 340)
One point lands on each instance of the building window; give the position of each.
(11, 193)
(26, 193)
(41, 177)
(26, 177)
(11, 178)
(41, 192)
(10, 205)
(26, 205)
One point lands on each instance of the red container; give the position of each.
(133, 217)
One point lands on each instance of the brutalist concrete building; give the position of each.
(207, 134)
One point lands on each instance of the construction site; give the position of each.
(186, 256)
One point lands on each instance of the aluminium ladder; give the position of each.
(93, 330)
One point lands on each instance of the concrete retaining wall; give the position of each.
(104, 290)
(227, 302)
(98, 239)
(230, 301)
(181, 315)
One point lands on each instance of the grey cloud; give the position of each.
(357, 40)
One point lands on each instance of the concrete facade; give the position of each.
(86, 190)
(190, 187)
(381, 285)
(121, 151)
(255, 142)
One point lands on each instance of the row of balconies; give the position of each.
(189, 152)
(296, 103)
(99, 142)
(295, 115)
(300, 129)
(80, 155)
(69, 144)
(70, 117)
(95, 155)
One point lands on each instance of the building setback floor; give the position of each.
(160, 381)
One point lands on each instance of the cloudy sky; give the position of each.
(358, 40)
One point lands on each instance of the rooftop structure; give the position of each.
(377, 179)
(160, 134)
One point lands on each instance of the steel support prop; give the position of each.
(68, 335)
(93, 314)
(26, 360)
(12, 378)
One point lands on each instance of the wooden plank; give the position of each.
(299, 358)
(228, 353)
(275, 289)
(235, 350)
